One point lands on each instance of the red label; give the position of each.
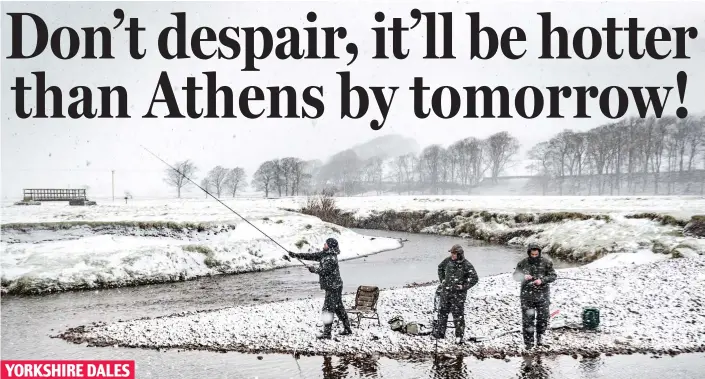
(60, 369)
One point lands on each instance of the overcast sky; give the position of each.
(71, 153)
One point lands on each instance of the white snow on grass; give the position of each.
(656, 307)
(678, 206)
(579, 240)
(83, 256)
(37, 258)
(626, 259)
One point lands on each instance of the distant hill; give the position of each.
(386, 147)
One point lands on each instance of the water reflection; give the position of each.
(448, 367)
(443, 367)
(534, 367)
(366, 367)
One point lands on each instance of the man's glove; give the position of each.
(312, 269)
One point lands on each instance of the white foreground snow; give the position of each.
(38, 259)
(656, 307)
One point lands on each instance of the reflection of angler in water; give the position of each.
(449, 367)
(367, 366)
(332, 372)
(532, 367)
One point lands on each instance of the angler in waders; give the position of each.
(457, 275)
(331, 282)
(535, 273)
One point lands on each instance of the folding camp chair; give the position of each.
(365, 305)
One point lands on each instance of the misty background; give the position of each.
(407, 156)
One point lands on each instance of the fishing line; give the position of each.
(218, 200)
(586, 280)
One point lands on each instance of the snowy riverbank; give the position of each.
(55, 247)
(656, 308)
(580, 229)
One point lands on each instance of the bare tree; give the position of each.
(176, 177)
(542, 159)
(410, 170)
(299, 175)
(399, 167)
(234, 179)
(288, 168)
(430, 164)
(264, 177)
(477, 158)
(216, 176)
(501, 148)
(206, 185)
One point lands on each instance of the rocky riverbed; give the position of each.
(655, 308)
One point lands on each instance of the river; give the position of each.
(27, 323)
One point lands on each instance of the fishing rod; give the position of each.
(218, 200)
(586, 280)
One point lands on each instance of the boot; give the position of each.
(346, 325)
(325, 335)
(347, 331)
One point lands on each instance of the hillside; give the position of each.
(387, 147)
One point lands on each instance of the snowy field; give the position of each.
(56, 247)
(678, 206)
(609, 229)
(656, 308)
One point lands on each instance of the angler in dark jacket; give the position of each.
(457, 275)
(535, 273)
(331, 282)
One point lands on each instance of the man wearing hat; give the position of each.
(329, 278)
(535, 273)
(457, 275)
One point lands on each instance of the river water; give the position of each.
(27, 323)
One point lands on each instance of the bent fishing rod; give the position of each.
(225, 205)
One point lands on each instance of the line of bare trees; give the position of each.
(436, 169)
(218, 181)
(623, 157)
(461, 165)
(285, 176)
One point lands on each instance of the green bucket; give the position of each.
(591, 318)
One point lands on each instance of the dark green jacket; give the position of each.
(453, 273)
(328, 271)
(542, 269)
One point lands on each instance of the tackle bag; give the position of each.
(414, 328)
(396, 323)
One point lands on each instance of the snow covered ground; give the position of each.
(146, 241)
(678, 206)
(656, 308)
(56, 247)
(518, 220)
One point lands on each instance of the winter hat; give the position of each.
(533, 246)
(332, 243)
(458, 250)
